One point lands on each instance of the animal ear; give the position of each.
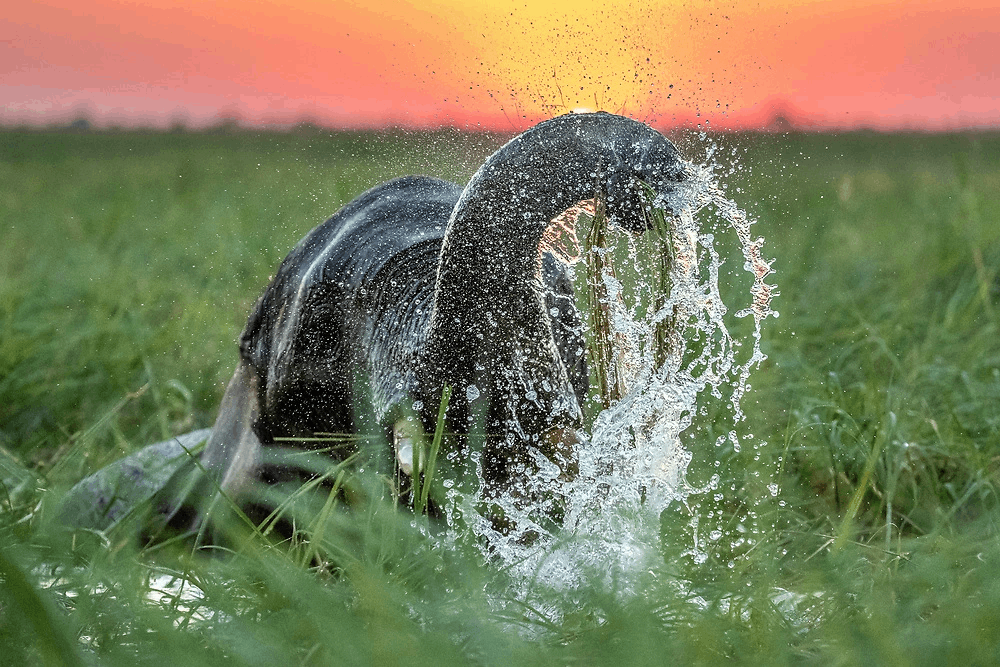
(626, 203)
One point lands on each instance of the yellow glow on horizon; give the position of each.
(627, 56)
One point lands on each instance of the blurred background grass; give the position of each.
(134, 259)
(857, 523)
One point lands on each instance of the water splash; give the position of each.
(632, 465)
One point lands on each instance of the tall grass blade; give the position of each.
(422, 489)
(54, 646)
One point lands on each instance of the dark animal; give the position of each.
(418, 284)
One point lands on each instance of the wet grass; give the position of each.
(857, 522)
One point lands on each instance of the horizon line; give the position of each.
(773, 117)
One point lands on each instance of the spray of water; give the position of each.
(666, 347)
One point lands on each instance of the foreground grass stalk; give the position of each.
(424, 466)
(656, 256)
(598, 266)
(318, 528)
(52, 642)
(661, 242)
(270, 523)
(846, 530)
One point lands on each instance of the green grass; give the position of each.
(130, 262)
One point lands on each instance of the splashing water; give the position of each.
(633, 464)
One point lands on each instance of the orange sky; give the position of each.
(501, 64)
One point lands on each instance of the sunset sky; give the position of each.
(494, 63)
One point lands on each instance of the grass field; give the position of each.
(131, 260)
